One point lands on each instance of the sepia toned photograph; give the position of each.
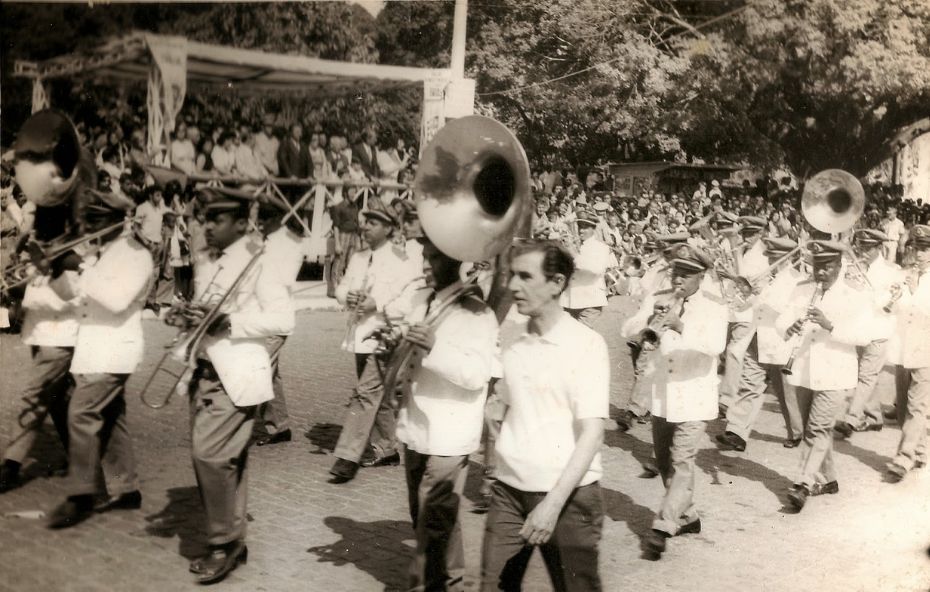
(465, 295)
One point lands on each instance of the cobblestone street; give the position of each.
(309, 535)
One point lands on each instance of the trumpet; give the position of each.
(897, 288)
(815, 297)
(648, 338)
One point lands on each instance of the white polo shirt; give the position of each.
(551, 382)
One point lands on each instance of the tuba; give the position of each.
(472, 192)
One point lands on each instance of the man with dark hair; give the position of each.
(556, 388)
(366, 154)
(293, 158)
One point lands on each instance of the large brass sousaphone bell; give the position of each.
(833, 201)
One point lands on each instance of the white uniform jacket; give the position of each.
(913, 327)
(256, 310)
(111, 292)
(682, 372)
(827, 360)
(882, 275)
(444, 396)
(50, 319)
(281, 263)
(771, 344)
(587, 287)
(751, 264)
(383, 274)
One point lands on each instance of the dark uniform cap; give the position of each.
(920, 236)
(690, 259)
(869, 236)
(751, 223)
(587, 218)
(778, 246)
(376, 209)
(826, 250)
(673, 238)
(408, 210)
(725, 219)
(225, 199)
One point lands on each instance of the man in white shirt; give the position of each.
(826, 319)
(894, 229)
(913, 306)
(182, 150)
(370, 289)
(686, 326)
(109, 296)
(442, 414)
(50, 330)
(586, 295)
(266, 145)
(546, 493)
(865, 408)
(247, 163)
(149, 217)
(232, 376)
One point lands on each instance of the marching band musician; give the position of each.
(586, 295)
(749, 261)
(374, 279)
(109, 295)
(232, 377)
(442, 414)
(280, 264)
(913, 308)
(865, 408)
(50, 330)
(827, 319)
(691, 324)
(766, 355)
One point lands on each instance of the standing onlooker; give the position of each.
(266, 145)
(292, 154)
(366, 154)
(894, 228)
(150, 217)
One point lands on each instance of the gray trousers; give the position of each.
(99, 441)
(676, 446)
(912, 413)
(46, 393)
(866, 404)
(641, 398)
(738, 338)
(586, 315)
(435, 485)
(220, 436)
(272, 416)
(369, 416)
(818, 410)
(742, 413)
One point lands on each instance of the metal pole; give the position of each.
(458, 39)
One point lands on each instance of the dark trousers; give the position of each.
(220, 436)
(100, 444)
(435, 485)
(570, 555)
(369, 417)
(46, 393)
(272, 416)
(184, 282)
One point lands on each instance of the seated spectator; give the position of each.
(205, 155)
(182, 150)
(224, 159)
(247, 163)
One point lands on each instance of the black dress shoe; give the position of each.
(843, 428)
(382, 461)
(691, 527)
(895, 472)
(890, 413)
(625, 420)
(282, 436)
(343, 471)
(869, 427)
(825, 488)
(219, 562)
(644, 418)
(73, 510)
(731, 441)
(654, 542)
(798, 496)
(127, 501)
(9, 475)
(791, 443)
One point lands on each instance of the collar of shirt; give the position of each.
(558, 334)
(441, 295)
(238, 248)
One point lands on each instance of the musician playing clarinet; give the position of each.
(827, 319)
(690, 325)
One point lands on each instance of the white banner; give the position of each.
(433, 115)
(170, 57)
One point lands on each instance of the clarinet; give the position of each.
(818, 293)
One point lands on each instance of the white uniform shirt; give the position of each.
(551, 382)
(682, 372)
(443, 409)
(112, 292)
(50, 319)
(751, 264)
(383, 274)
(587, 287)
(827, 360)
(266, 149)
(913, 328)
(882, 275)
(281, 263)
(256, 310)
(771, 344)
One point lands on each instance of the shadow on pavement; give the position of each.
(324, 436)
(182, 517)
(377, 548)
(869, 458)
(620, 507)
(641, 450)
